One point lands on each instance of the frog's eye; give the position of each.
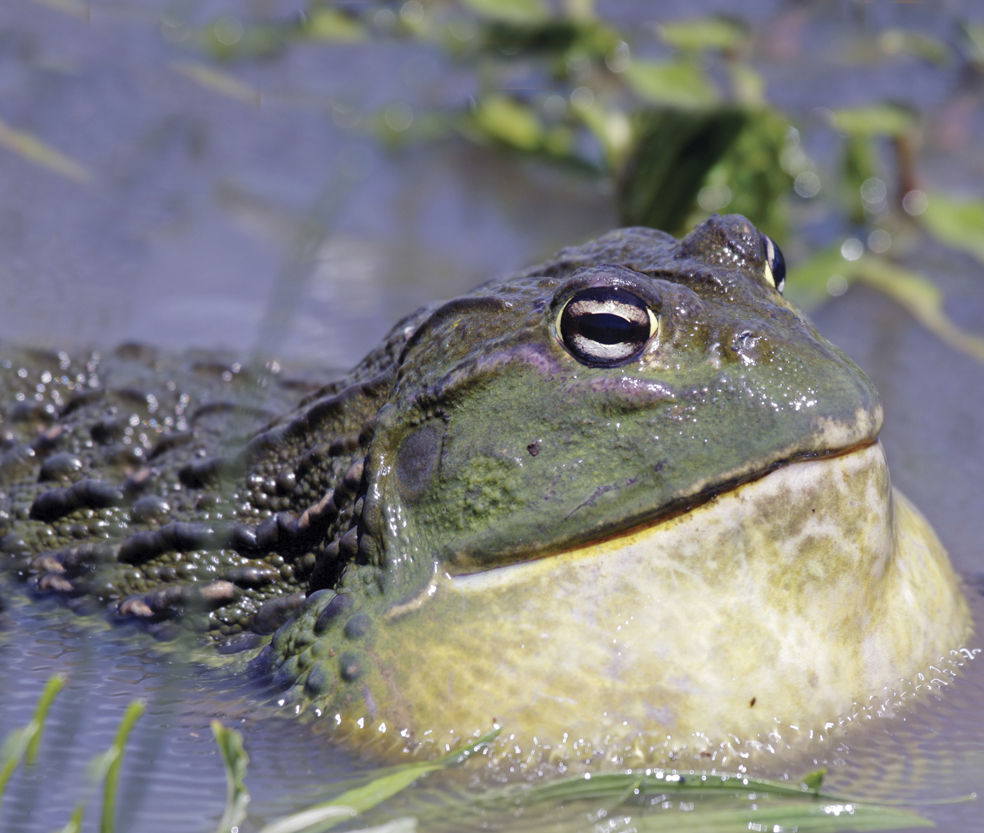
(605, 326)
(775, 264)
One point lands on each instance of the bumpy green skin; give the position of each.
(471, 438)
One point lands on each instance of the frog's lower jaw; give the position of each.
(778, 608)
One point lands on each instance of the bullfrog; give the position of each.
(626, 505)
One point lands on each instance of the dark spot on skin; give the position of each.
(752, 703)
(533, 449)
(86, 494)
(14, 545)
(286, 675)
(286, 483)
(332, 611)
(350, 667)
(151, 507)
(319, 680)
(416, 461)
(59, 466)
(348, 544)
(178, 536)
(358, 626)
(207, 472)
(274, 612)
(107, 431)
(251, 576)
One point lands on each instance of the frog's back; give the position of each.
(126, 477)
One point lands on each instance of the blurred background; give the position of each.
(293, 175)
(289, 177)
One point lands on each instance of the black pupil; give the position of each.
(606, 328)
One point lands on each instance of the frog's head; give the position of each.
(623, 381)
(625, 499)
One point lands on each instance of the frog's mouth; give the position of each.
(777, 606)
(786, 502)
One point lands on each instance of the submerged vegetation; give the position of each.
(21, 748)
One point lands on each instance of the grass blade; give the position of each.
(357, 800)
(22, 744)
(236, 761)
(112, 760)
(219, 82)
(32, 149)
(804, 817)
(923, 300)
(51, 691)
(708, 803)
(75, 822)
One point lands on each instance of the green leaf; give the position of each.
(313, 820)
(22, 744)
(710, 33)
(807, 282)
(975, 41)
(610, 785)
(894, 41)
(814, 780)
(922, 299)
(74, 824)
(332, 26)
(509, 121)
(874, 120)
(802, 816)
(217, 81)
(958, 223)
(672, 153)
(749, 85)
(357, 800)
(527, 12)
(250, 42)
(751, 168)
(679, 84)
(717, 802)
(235, 759)
(33, 150)
(112, 760)
(612, 128)
(51, 690)
(861, 163)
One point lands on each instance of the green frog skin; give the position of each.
(626, 504)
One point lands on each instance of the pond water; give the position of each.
(187, 223)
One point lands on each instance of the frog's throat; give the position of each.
(785, 602)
